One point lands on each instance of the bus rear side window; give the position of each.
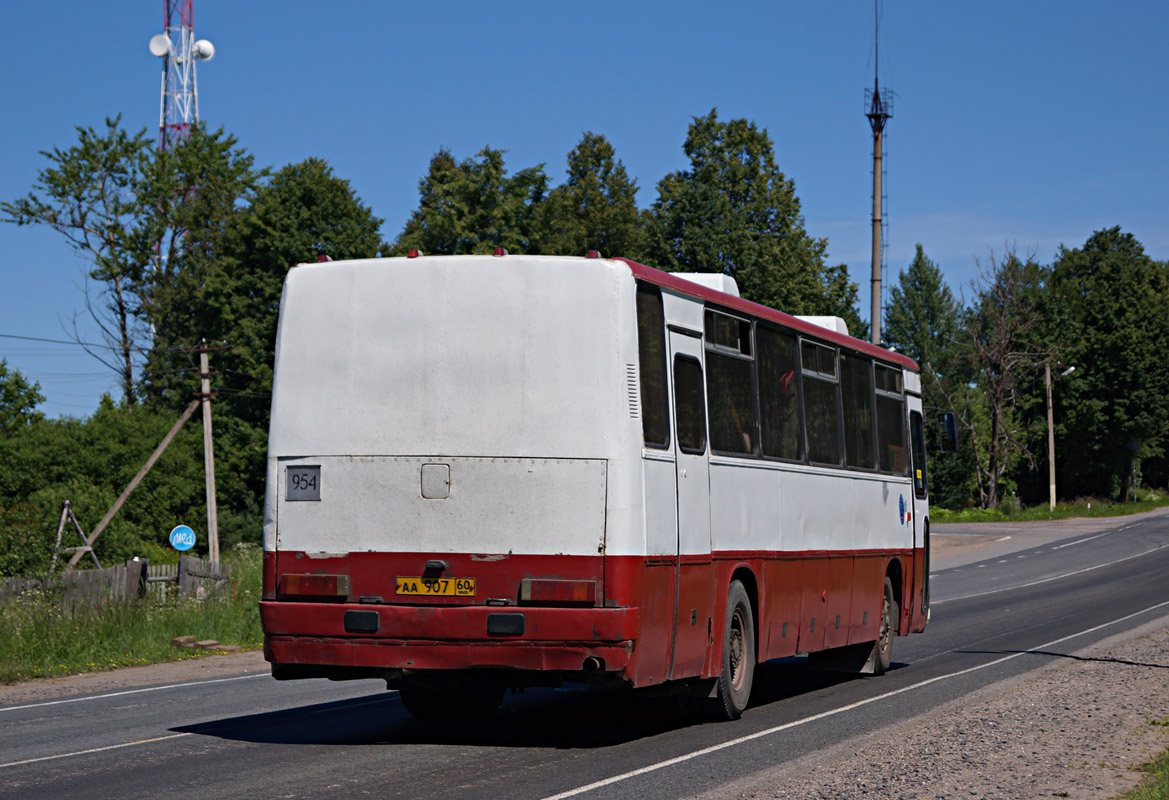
(779, 390)
(690, 405)
(651, 352)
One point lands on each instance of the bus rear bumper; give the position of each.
(350, 636)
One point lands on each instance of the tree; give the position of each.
(999, 348)
(1115, 408)
(594, 209)
(923, 321)
(18, 401)
(128, 208)
(733, 211)
(472, 206)
(89, 462)
(92, 194)
(921, 318)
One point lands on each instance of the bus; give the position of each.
(502, 471)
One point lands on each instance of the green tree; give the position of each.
(92, 194)
(473, 206)
(129, 209)
(18, 401)
(89, 462)
(923, 321)
(1114, 410)
(595, 208)
(999, 349)
(733, 211)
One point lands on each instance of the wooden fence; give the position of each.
(94, 588)
(191, 576)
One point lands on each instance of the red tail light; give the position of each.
(548, 590)
(322, 586)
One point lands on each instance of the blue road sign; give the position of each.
(182, 538)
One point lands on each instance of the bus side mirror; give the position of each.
(948, 428)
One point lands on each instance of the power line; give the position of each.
(51, 341)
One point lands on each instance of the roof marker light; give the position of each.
(500, 251)
(593, 254)
(413, 253)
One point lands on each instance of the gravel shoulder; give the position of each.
(1077, 728)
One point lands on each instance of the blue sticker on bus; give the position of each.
(901, 509)
(182, 538)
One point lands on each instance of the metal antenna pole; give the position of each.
(878, 108)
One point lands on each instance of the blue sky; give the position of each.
(1030, 123)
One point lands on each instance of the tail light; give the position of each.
(321, 587)
(550, 590)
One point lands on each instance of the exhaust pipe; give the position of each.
(593, 664)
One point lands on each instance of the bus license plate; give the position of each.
(435, 587)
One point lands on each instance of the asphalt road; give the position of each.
(1036, 596)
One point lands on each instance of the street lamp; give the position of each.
(1051, 433)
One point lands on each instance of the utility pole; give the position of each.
(208, 453)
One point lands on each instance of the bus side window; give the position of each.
(920, 479)
(821, 403)
(890, 421)
(690, 405)
(856, 389)
(730, 384)
(651, 353)
(779, 394)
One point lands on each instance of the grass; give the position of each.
(1082, 507)
(40, 640)
(1155, 786)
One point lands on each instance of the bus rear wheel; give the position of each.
(738, 667)
(883, 648)
(428, 697)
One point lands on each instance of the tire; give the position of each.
(883, 647)
(738, 667)
(435, 698)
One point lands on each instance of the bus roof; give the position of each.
(682, 286)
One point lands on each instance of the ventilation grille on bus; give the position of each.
(632, 391)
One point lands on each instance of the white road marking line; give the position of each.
(1005, 538)
(134, 691)
(1049, 580)
(796, 723)
(95, 750)
(1090, 538)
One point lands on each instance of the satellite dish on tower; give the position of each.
(204, 50)
(160, 44)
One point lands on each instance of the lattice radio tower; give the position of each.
(879, 109)
(179, 50)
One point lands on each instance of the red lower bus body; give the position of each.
(640, 628)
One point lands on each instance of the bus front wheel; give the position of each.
(738, 667)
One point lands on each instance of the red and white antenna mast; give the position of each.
(177, 47)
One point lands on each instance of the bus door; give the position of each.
(692, 472)
(921, 544)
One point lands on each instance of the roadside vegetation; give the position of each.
(1155, 785)
(1144, 500)
(41, 640)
